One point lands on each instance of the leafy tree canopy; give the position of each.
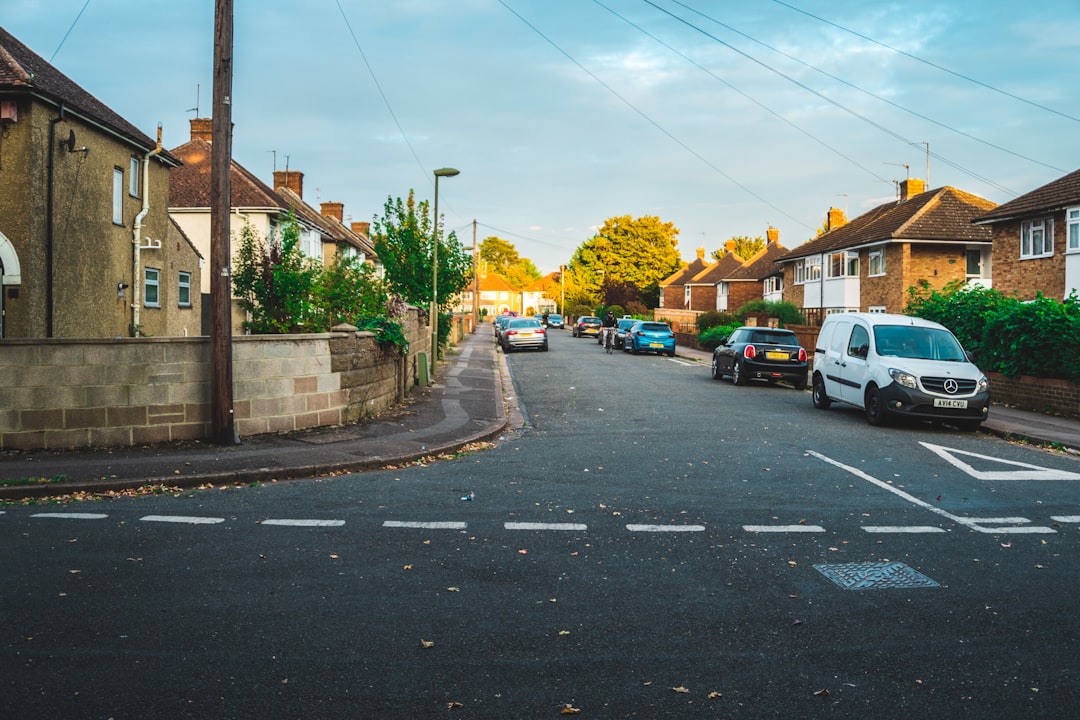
(503, 258)
(636, 251)
(403, 242)
(745, 247)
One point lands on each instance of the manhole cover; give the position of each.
(875, 576)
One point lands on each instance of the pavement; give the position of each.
(471, 402)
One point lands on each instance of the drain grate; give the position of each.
(875, 576)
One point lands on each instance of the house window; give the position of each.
(686, 296)
(1036, 238)
(877, 261)
(151, 288)
(876, 309)
(813, 269)
(974, 263)
(843, 264)
(800, 273)
(773, 285)
(183, 292)
(133, 177)
(118, 196)
(1072, 217)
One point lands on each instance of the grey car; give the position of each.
(522, 333)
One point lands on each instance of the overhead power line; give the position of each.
(929, 63)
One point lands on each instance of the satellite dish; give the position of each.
(71, 141)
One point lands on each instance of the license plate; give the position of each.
(943, 403)
(656, 344)
(773, 355)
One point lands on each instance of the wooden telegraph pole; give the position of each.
(222, 419)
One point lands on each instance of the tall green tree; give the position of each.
(404, 243)
(745, 247)
(275, 283)
(503, 258)
(636, 251)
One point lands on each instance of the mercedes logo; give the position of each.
(951, 386)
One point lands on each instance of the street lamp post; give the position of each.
(441, 172)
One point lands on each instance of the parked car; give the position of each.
(620, 331)
(649, 336)
(587, 325)
(555, 320)
(763, 353)
(499, 323)
(524, 333)
(898, 366)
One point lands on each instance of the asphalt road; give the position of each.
(653, 544)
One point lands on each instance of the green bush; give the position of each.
(786, 312)
(713, 318)
(617, 310)
(715, 335)
(1003, 333)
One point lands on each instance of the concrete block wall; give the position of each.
(67, 394)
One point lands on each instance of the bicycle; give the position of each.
(609, 340)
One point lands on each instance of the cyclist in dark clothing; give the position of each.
(609, 326)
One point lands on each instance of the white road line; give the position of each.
(1066, 518)
(71, 516)
(783, 528)
(682, 362)
(303, 523)
(425, 525)
(912, 529)
(544, 526)
(1028, 471)
(971, 523)
(666, 528)
(190, 520)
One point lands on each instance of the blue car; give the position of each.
(649, 336)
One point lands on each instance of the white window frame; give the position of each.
(1036, 238)
(686, 295)
(799, 275)
(773, 284)
(1072, 230)
(151, 280)
(133, 176)
(183, 289)
(876, 262)
(847, 261)
(118, 196)
(813, 269)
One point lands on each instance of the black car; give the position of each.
(621, 329)
(587, 325)
(762, 353)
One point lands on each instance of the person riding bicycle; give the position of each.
(609, 325)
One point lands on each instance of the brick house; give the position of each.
(760, 277)
(674, 292)
(1037, 240)
(710, 289)
(323, 231)
(87, 249)
(869, 263)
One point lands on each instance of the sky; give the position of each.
(721, 117)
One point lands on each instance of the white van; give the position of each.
(898, 366)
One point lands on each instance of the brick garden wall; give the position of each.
(64, 394)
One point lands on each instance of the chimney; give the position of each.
(202, 129)
(701, 253)
(361, 228)
(334, 210)
(836, 219)
(910, 188)
(292, 179)
(730, 246)
(772, 235)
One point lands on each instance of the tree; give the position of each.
(745, 247)
(403, 242)
(639, 252)
(275, 283)
(503, 258)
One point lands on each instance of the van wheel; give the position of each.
(821, 398)
(737, 375)
(875, 408)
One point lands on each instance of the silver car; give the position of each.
(523, 333)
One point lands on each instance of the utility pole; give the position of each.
(222, 418)
(475, 281)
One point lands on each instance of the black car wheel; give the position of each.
(875, 407)
(821, 398)
(738, 377)
(716, 374)
(800, 384)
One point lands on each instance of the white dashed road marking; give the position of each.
(304, 523)
(183, 519)
(544, 526)
(910, 529)
(426, 525)
(666, 528)
(71, 516)
(783, 528)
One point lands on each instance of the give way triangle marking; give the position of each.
(1023, 471)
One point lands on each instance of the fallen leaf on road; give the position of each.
(713, 695)
(681, 689)
(453, 589)
(569, 710)
(426, 644)
(454, 705)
